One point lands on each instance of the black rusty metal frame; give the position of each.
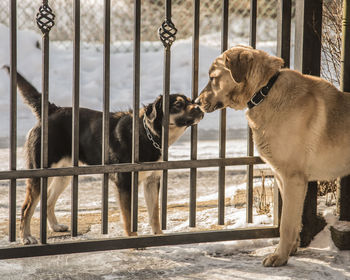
(194, 129)
(250, 145)
(105, 118)
(307, 59)
(222, 122)
(344, 189)
(284, 18)
(137, 242)
(75, 118)
(13, 118)
(167, 33)
(45, 20)
(136, 108)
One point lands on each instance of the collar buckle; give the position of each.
(264, 91)
(255, 103)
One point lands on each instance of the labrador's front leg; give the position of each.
(293, 195)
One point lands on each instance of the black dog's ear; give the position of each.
(7, 68)
(154, 109)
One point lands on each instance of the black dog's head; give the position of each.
(182, 114)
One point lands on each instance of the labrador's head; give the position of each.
(235, 76)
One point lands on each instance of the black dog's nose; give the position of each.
(196, 111)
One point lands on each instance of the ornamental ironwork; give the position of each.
(167, 33)
(45, 18)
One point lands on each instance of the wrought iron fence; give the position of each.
(122, 15)
(46, 20)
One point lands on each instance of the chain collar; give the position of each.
(150, 136)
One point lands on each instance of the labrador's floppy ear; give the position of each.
(239, 64)
(154, 109)
(276, 63)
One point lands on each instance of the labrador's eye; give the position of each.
(211, 78)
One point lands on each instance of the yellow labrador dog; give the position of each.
(300, 126)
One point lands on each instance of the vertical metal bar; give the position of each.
(345, 54)
(45, 21)
(165, 134)
(105, 119)
(308, 28)
(194, 129)
(253, 16)
(307, 59)
(136, 111)
(165, 130)
(222, 120)
(44, 137)
(13, 118)
(250, 150)
(344, 189)
(277, 205)
(284, 17)
(75, 116)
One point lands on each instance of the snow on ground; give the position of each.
(221, 260)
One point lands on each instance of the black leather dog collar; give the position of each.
(259, 96)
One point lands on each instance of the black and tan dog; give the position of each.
(183, 113)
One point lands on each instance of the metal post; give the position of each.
(75, 116)
(222, 121)
(250, 144)
(194, 129)
(307, 59)
(136, 115)
(167, 34)
(344, 190)
(105, 119)
(45, 20)
(284, 30)
(283, 51)
(13, 118)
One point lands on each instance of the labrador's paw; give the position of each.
(275, 260)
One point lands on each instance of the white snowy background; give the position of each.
(222, 260)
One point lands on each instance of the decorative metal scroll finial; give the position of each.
(167, 33)
(45, 18)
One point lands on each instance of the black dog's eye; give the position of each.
(179, 104)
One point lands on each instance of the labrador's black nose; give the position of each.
(197, 101)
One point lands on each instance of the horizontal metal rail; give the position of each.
(137, 242)
(127, 167)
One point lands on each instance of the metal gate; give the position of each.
(167, 32)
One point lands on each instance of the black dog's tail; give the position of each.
(31, 96)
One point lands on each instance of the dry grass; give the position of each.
(328, 189)
(262, 195)
(263, 203)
